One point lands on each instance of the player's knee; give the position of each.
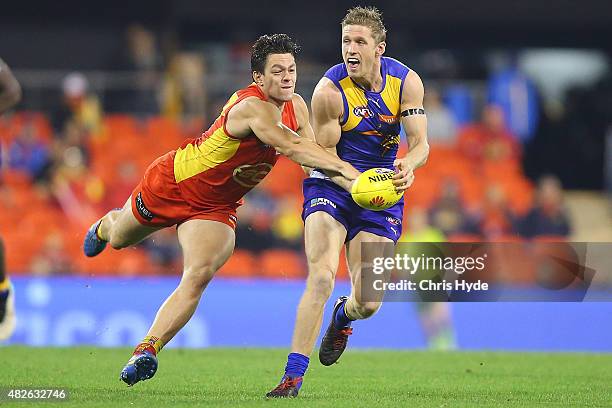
(366, 309)
(198, 277)
(321, 285)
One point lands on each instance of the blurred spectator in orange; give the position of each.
(496, 218)
(74, 187)
(548, 215)
(28, 153)
(489, 139)
(78, 105)
(127, 177)
(441, 125)
(448, 213)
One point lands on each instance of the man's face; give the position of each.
(280, 75)
(360, 50)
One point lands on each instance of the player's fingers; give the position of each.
(400, 175)
(403, 179)
(407, 182)
(410, 179)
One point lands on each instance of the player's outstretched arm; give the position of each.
(414, 122)
(10, 91)
(264, 119)
(305, 130)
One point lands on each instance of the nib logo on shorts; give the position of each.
(142, 209)
(321, 201)
(378, 201)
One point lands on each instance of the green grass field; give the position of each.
(241, 377)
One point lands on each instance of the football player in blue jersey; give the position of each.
(358, 108)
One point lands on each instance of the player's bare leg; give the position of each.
(355, 306)
(324, 237)
(119, 228)
(206, 245)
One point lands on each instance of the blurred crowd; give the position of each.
(64, 168)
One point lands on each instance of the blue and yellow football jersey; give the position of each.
(371, 122)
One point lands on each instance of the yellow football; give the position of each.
(374, 190)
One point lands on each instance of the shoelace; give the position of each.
(340, 341)
(287, 383)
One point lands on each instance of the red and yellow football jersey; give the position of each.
(217, 168)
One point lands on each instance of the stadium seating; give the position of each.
(28, 216)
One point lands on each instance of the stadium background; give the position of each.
(107, 90)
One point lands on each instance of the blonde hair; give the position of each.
(369, 17)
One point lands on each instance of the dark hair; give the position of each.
(369, 17)
(271, 44)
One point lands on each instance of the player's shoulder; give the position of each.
(336, 73)
(298, 101)
(396, 68)
(327, 96)
(299, 107)
(250, 108)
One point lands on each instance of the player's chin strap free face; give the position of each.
(413, 111)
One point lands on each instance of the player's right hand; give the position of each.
(404, 176)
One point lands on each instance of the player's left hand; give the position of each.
(404, 175)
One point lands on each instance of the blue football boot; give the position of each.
(93, 245)
(140, 367)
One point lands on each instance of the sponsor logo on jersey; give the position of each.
(363, 112)
(322, 201)
(249, 175)
(142, 209)
(390, 119)
(393, 221)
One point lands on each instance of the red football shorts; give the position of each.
(157, 200)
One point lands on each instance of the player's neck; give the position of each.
(373, 81)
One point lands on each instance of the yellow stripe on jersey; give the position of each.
(229, 103)
(193, 159)
(391, 94)
(354, 97)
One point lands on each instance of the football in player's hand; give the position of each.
(374, 189)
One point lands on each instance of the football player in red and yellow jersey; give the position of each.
(199, 186)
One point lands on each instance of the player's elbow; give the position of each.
(290, 149)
